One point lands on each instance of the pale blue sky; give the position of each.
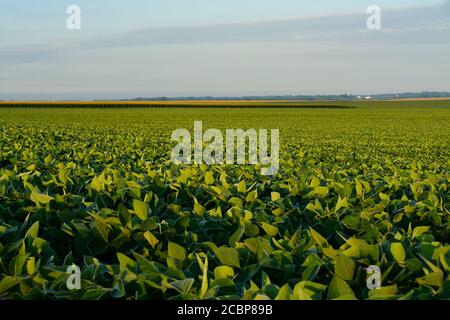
(220, 47)
(47, 17)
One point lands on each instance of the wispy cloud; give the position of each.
(424, 25)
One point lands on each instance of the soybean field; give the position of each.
(359, 185)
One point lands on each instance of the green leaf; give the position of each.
(209, 178)
(419, 231)
(31, 266)
(94, 294)
(40, 198)
(176, 251)
(252, 196)
(310, 267)
(204, 267)
(434, 279)
(275, 196)
(102, 229)
(383, 292)
(7, 283)
(284, 293)
(223, 272)
(140, 208)
(147, 266)
(48, 159)
(321, 191)
(344, 267)
(33, 231)
(269, 229)
(308, 290)
(398, 252)
(367, 250)
(359, 189)
(198, 208)
(383, 196)
(20, 259)
(339, 288)
(321, 241)
(151, 239)
(182, 286)
(228, 256)
(236, 236)
(242, 188)
(126, 263)
(98, 184)
(341, 203)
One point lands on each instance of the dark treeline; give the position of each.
(151, 105)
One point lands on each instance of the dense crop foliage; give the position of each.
(356, 187)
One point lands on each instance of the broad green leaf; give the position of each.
(310, 267)
(223, 272)
(321, 241)
(152, 240)
(94, 294)
(182, 286)
(434, 279)
(102, 229)
(20, 260)
(359, 189)
(7, 283)
(40, 198)
(98, 184)
(341, 203)
(383, 292)
(198, 208)
(339, 288)
(398, 252)
(419, 231)
(321, 191)
(31, 266)
(33, 231)
(140, 208)
(252, 196)
(147, 266)
(209, 178)
(236, 236)
(344, 267)
(284, 293)
(228, 256)
(176, 251)
(308, 290)
(269, 229)
(126, 263)
(275, 196)
(242, 188)
(384, 197)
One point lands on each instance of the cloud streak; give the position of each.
(345, 28)
(428, 25)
